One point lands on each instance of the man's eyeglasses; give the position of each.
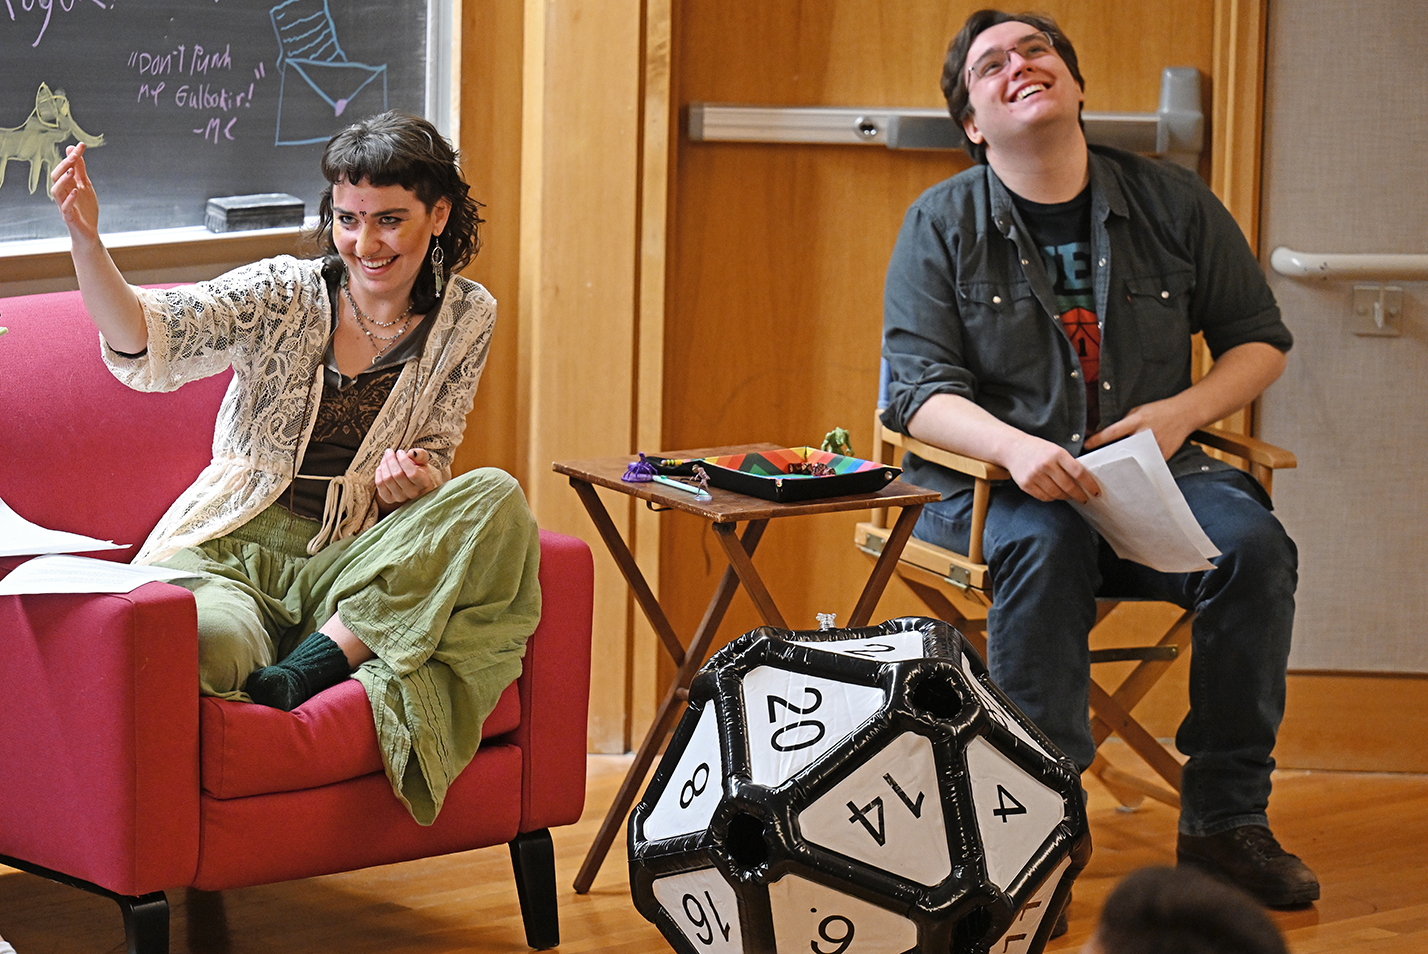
(992, 62)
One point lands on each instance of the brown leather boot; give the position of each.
(1250, 858)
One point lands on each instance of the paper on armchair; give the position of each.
(1141, 512)
(60, 573)
(20, 537)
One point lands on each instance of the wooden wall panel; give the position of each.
(1237, 133)
(1237, 110)
(489, 139)
(578, 287)
(650, 666)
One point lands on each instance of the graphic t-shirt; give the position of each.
(1062, 231)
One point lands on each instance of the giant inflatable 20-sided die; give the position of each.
(856, 791)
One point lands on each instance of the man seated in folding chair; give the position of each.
(1041, 304)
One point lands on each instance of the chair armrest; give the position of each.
(982, 473)
(1249, 449)
(971, 466)
(99, 745)
(555, 686)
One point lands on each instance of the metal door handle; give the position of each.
(1175, 131)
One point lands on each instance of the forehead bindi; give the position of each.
(364, 213)
(369, 201)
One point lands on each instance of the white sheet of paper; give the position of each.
(72, 574)
(1141, 512)
(20, 537)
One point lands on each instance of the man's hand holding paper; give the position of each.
(1140, 510)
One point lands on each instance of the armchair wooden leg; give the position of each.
(146, 917)
(533, 859)
(146, 923)
(207, 921)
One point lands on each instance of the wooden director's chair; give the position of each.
(932, 571)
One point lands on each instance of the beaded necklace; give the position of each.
(362, 319)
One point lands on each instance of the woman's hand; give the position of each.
(74, 194)
(112, 305)
(403, 476)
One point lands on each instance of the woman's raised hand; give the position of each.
(112, 304)
(74, 194)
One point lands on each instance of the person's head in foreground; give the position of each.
(1182, 911)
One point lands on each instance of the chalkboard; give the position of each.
(183, 100)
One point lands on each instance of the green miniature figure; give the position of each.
(836, 442)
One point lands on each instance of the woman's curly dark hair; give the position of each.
(394, 148)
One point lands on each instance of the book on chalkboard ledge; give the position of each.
(266, 210)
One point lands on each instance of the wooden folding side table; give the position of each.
(725, 510)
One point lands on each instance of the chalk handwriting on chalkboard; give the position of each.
(163, 74)
(37, 141)
(48, 8)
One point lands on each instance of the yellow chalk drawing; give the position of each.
(38, 141)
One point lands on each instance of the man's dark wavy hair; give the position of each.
(954, 68)
(394, 148)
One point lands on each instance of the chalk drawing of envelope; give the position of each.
(320, 98)
(322, 91)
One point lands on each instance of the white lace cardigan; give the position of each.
(270, 321)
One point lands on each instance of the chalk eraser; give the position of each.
(266, 210)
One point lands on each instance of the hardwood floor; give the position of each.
(1365, 835)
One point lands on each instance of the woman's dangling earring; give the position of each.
(438, 258)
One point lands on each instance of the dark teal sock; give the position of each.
(315, 665)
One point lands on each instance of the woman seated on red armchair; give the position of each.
(328, 535)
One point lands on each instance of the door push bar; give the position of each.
(1175, 131)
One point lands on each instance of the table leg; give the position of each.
(625, 560)
(741, 560)
(629, 790)
(669, 709)
(884, 567)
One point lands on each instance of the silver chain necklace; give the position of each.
(363, 319)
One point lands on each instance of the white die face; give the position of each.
(704, 907)
(688, 801)
(998, 712)
(893, 647)
(1023, 930)
(1015, 812)
(887, 813)
(793, 718)
(809, 916)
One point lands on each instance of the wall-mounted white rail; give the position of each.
(1376, 309)
(1349, 267)
(1176, 130)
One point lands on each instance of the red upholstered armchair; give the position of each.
(116, 777)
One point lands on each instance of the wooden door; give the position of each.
(778, 252)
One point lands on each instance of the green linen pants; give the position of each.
(444, 591)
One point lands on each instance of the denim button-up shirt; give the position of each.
(968, 307)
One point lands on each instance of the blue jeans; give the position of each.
(1047, 566)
